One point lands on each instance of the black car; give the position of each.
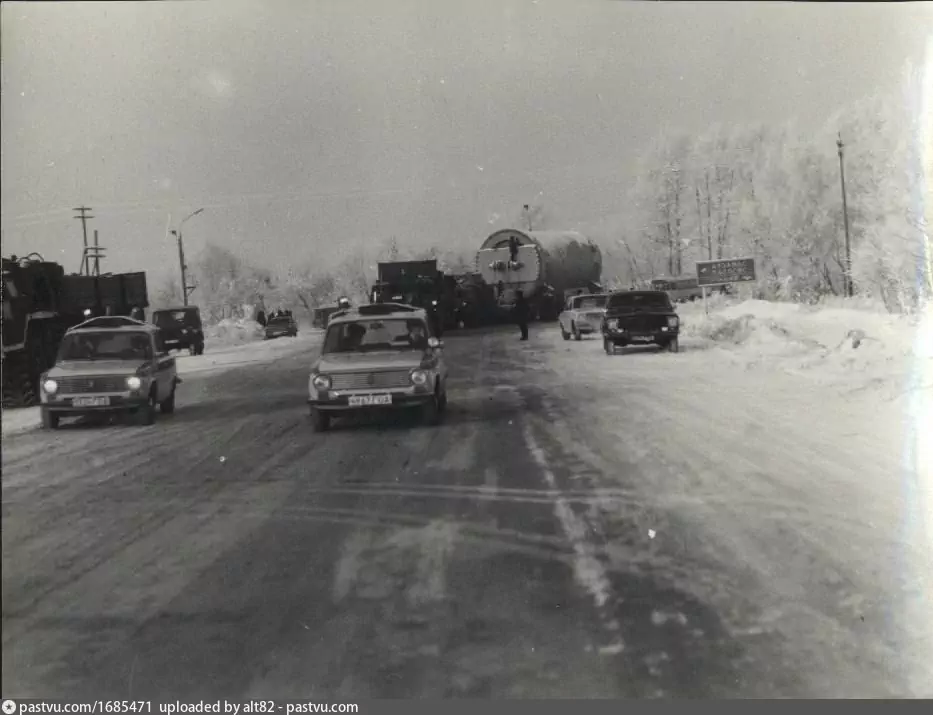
(640, 317)
(181, 328)
(281, 325)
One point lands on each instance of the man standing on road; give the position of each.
(521, 313)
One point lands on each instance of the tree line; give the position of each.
(774, 192)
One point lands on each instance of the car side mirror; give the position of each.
(434, 343)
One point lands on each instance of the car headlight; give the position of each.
(673, 321)
(321, 382)
(50, 386)
(612, 324)
(134, 383)
(419, 377)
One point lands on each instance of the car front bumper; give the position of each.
(641, 337)
(400, 399)
(123, 402)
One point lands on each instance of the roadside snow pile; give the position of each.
(234, 331)
(851, 344)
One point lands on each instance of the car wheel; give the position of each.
(430, 412)
(167, 406)
(49, 420)
(576, 333)
(609, 346)
(442, 402)
(673, 346)
(146, 415)
(564, 334)
(319, 420)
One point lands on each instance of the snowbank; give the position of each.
(233, 331)
(858, 344)
(218, 357)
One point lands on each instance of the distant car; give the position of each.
(640, 317)
(582, 315)
(382, 355)
(109, 365)
(181, 328)
(281, 325)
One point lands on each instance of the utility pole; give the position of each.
(82, 215)
(181, 264)
(845, 218)
(96, 256)
(185, 288)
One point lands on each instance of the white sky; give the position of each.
(305, 128)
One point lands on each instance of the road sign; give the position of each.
(729, 270)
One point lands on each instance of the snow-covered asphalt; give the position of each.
(580, 526)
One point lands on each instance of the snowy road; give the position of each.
(580, 526)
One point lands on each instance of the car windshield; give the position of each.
(590, 302)
(106, 346)
(640, 300)
(281, 320)
(384, 334)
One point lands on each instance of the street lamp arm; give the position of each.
(191, 215)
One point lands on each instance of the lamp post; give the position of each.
(181, 256)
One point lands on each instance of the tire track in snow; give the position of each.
(588, 569)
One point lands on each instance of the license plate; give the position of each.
(641, 339)
(369, 400)
(90, 401)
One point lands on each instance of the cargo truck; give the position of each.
(417, 283)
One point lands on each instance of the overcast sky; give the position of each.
(305, 127)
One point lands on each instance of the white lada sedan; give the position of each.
(379, 356)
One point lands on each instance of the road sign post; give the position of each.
(723, 272)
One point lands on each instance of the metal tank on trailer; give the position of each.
(544, 265)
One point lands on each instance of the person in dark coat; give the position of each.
(521, 313)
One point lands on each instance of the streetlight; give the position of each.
(181, 255)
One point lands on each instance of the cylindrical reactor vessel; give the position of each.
(542, 264)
